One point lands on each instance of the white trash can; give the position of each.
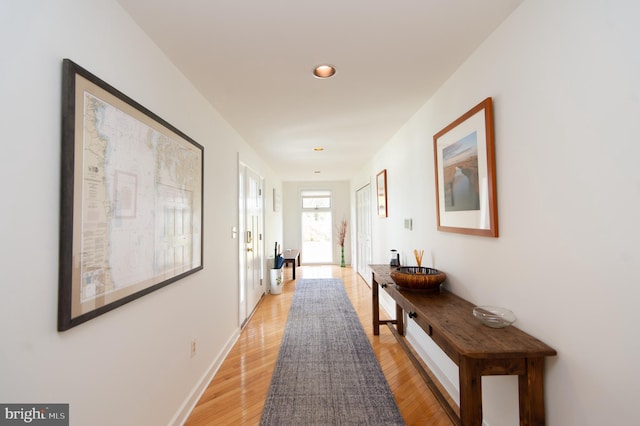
(276, 280)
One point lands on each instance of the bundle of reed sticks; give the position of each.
(418, 256)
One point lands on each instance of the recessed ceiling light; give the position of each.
(324, 71)
(318, 149)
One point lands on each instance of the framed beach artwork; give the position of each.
(131, 200)
(381, 193)
(464, 156)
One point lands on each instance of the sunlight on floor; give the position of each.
(321, 271)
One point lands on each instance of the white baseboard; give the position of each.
(428, 351)
(425, 348)
(194, 396)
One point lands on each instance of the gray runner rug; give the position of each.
(326, 372)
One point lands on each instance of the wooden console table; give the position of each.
(478, 350)
(292, 256)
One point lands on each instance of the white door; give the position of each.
(363, 232)
(251, 209)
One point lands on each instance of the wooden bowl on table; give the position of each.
(418, 278)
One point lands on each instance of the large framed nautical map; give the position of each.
(131, 200)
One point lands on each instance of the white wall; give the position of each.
(292, 214)
(564, 77)
(131, 365)
(273, 220)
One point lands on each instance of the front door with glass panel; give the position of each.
(317, 229)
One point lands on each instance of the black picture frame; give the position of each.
(131, 203)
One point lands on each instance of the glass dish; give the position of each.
(493, 316)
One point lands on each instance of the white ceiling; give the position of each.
(253, 60)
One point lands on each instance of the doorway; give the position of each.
(251, 247)
(317, 228)
(363, 232)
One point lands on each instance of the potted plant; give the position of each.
(276, 273)
(342, 234)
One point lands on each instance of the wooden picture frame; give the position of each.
(131, 200)
(465, 176)
(381, 193)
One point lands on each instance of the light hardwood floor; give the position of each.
(237, 393)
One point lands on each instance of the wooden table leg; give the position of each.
(399, 320)
(470, 392)
(375, 300)
(531, 393)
